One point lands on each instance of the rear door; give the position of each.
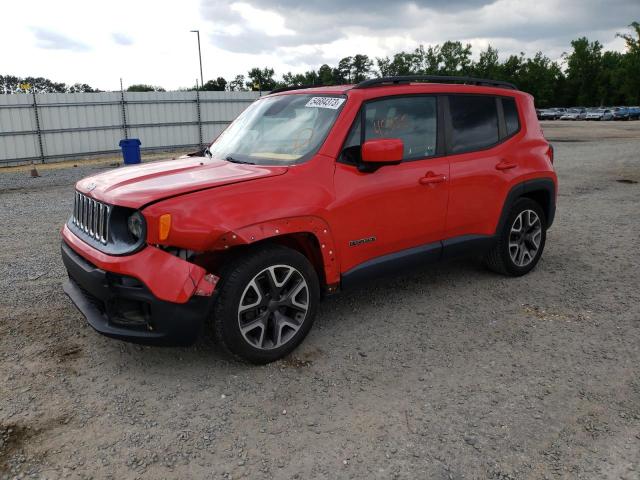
(483, 162)
(395, 207)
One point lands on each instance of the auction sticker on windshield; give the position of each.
(325, 102)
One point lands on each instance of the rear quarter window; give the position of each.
(511, 120)
(474, 122)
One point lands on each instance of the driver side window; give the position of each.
(411, 119)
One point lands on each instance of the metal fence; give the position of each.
(55, 126)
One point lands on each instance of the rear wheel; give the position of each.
(267, 303)
(521, 241)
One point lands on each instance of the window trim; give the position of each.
(502, 136)
(361, 115)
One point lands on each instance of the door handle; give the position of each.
(430, 179)
(505, 165)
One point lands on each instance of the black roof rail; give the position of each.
(435, 79)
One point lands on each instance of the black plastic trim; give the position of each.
(416, 257)
(396, 80)
(502, 124)
(467, 246)
(95, 292)
(529, 186)
(392, 263)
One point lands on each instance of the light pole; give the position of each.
(199, 56)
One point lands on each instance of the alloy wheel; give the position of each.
(524, 238)
(273, 307)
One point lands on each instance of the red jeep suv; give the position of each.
(307, 192)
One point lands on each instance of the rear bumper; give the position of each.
(121, 306)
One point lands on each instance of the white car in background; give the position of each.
(574, 114)
(600, 114)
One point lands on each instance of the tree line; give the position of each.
(587, 75)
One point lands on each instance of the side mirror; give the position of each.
(383, 151)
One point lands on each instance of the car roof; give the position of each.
(417, 83)
(399, 89)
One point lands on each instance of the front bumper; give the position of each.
(121, 306)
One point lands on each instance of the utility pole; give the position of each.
(199, 56)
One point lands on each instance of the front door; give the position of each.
(396, 207)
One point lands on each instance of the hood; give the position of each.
(135, 186)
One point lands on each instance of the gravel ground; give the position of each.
(449, 373)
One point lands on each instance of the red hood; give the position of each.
(135, 186)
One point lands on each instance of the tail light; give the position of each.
(550, 153)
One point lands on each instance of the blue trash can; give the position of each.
(130, 150)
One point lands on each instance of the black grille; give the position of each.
(91, 217)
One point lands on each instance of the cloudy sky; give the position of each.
(148, 41)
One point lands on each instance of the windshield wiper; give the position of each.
(235, 160)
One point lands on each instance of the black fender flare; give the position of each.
(546, 185)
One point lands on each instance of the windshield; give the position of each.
(279, 130)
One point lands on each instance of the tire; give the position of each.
(267, 302)
(507, 256)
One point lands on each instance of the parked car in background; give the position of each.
(634, 113)
(552, 113)
(608, 114)
(574, 114)
(594, 114)
(621, 113)
(600, 114)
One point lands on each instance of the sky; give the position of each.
(149, 41)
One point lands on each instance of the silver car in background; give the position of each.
(575, 114)
(600, 114)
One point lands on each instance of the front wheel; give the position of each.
(267, 303)
(521, 241)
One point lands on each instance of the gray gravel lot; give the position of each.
(449, 373)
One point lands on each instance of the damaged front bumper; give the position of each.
(148, 297)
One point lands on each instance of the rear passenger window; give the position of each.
(411, 119)
(510, 116)
(474, 121)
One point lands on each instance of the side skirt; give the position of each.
(416, 257)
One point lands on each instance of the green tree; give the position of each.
(217, 85)
(141, 87)
(261, 79)
(403, 63)
(325, 75)
(456, 58)
(308, 78)
(81, 88)
(13, 84)
(583, 70)
(539, 76)
(342, 74)
(488, 64)
(360, 68)
(292, 80)
(237, 84)
(630, 65)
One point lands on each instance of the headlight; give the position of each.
(135, 222)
